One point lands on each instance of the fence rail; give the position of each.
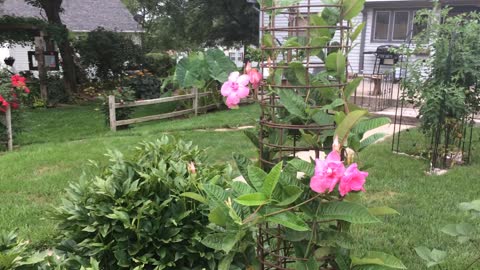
(113, 106)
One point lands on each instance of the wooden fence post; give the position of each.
(8, 118)
(195, 101)
(112, 113)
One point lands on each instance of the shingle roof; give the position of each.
(80, 15)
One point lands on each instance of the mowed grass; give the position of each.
(57, 144)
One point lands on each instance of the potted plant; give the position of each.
(9, 61)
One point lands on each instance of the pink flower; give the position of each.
(327, 173)
(235, 88)
(26, 90)
(255, 76)
(191, 168)
(353, 180)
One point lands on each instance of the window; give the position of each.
(231, 55)
(382, 25)
(240, 57)
(401, 21)
(392, 25)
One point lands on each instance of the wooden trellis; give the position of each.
(6, 120)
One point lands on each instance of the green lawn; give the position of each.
(57, 144)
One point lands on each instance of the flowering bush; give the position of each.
(12, 92)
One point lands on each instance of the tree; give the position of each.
(52, 9)
(191, 24)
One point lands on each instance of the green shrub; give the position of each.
(144, 84)
(109, 52)
(160, 64)
(137, 211)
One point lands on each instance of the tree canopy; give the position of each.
(190, 24)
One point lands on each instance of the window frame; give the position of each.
(409, 25)
(391, 24)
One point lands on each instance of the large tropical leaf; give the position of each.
(351, 8)
(368, 124)
(370, 140)
(219, 65)
(348, 123)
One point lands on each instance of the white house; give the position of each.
(387, 22)
(79, 16)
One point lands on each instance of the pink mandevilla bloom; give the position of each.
(353, 180)
(327, 173)
(235, 89)
(255, 76)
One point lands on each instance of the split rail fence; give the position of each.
(113, 106)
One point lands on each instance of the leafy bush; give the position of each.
(15, 254)
(109, 52)
(122, 95)
(139, 211)
(161, 65)
(144, 84)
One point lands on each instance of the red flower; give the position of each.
(26, 90)
(3, 103)
(18, 81)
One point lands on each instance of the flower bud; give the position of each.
(191, 168)
(350, 155)
(336, 145)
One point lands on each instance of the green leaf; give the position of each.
(370, 140)
(219, 65)
(289, 220)
(322, 118)
(267, 40)
(194, 196)
(365, 125)
(346, 211)
(218, 216)
(271, 180)
(291, 42)
(317, 43)
(256, 176)
(357, 32)
(292, 102)
(382, 211)
(253, 199)
(291, 194)
(431, 258)
(341, 66)
(303, 166)
(351, 87)
(241, 188)
(468, 206)
(317, 20)
(120, 215)
(226, 261)
(300, 72)
(216, 195)
(331, 63)
(221, 241)
(351, 8)
(335, 103)
(347, 124)
(378, 258)
(243, 163)
(462, 229)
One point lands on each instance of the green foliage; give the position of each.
(144, 84)
(134, 213)
(17, 36)
(108, 52)
(200, 69)
(279, 198)
(464, 232)
(160, 64)
(16, 255)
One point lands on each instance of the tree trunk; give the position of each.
(52, 10)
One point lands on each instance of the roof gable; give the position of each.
(80, 15)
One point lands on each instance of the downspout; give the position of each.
(362, 42)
